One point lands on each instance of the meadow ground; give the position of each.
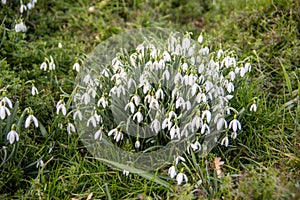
(262, 163)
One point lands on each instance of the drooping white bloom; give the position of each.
(196, 122)
(125, 172)
(22, 8)
(44, 66)
(166, 56)
(166, 75)
(40, 163)
(30, 119)
(159, 94)
(3, 2)
(12, 136)
(195, 146)
(8, 101)
(154, 104)
(155, 126)
(138, 117)
(200, 39)
(235, 125)
(167, 123)
(230, 87)
(76, 67)
(60, 106)
(221, 122)
(130, 106)
(178, 158)
(206, 114)
(4, 111)
(205, 128)
(77, 114)
(136, 99)
(20, 27)
(51, 64)
(118, 136)
(34, 90)
(233, 135)
(86, 98)
(102, 101)
(180, 178)
(184, 67)
(175, 131)
(137, 144)
(180, 103)
(172, 171)
(98, 134)
(225, 141)
(70, 128)
(59, 44)
(253, 107)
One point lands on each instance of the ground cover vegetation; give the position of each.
(43, 46)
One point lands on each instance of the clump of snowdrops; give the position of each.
(162, 92)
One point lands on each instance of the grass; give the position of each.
(263, 163)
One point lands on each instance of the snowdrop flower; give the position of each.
(247, 67)
(200, 39)
(86, 98)
(175, 130)
(225, 141)
(8, 101)
(180, 178)
(137, 144)
(94, 120)
(235, 124)
(230, 87)
(253, 107)
(131, 106)
(4, 111)
(34, 90)
(51, 64)
(196, 122)
(125, 172)
(136, 99)
(20, 27)
(30, 119)
(76, 67)
(77, 114)
(178, 158)
(205, 128)
(159, 94)
(166, 56)
(233, 135)
(103, 102)
(184, 67)
(98, 134)
(60, 106)
(44, 66)
(195, 146)
(22, 8)
(166, 75)
(40, 163)
(138, 116)
(154, 104)
(12, 135)
(155, 126)
(118, 136)
(206, 114)
(3, 2)
(71, 128)
(59, 45)
(220, 121)
(180, 103)
(172, 171)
